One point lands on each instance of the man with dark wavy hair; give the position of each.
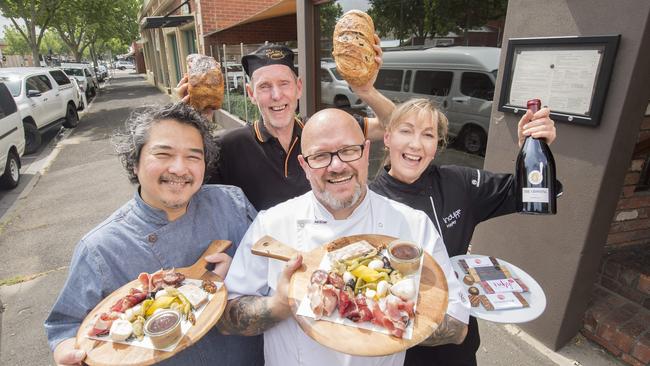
(170, 222)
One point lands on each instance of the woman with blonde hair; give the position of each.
(455, 198)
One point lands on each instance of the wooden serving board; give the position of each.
(430, 309)
(102, 353)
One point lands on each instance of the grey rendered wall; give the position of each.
(562, 252)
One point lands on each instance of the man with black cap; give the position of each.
(262, 158)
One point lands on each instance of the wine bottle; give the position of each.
(535, 174)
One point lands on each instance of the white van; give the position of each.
(459, 79)
(12, 139)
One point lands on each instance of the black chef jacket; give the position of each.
(463, 198)
(254, 160)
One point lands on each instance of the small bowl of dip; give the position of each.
(164, 328)
(404, 256)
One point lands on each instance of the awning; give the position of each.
(283, 7)
(166, 22)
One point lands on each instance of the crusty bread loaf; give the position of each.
(205, 82)
(353, 52)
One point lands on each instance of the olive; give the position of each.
(386, 263)
(351, 283)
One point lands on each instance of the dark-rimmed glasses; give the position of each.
(324, 159)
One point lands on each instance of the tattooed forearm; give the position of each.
(248, 315)
(450, 330)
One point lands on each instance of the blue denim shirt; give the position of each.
(139, 238)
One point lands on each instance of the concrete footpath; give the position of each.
(82, 185)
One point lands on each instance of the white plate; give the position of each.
(535, 295)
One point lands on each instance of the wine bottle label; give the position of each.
(534, 195)
(535, 177)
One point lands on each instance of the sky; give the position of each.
(3, 22)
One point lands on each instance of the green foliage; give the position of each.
(30, 18)
(238, 105)
(329, 14)
(421, 19)
(16, 43)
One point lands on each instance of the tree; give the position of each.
(35, 16)
(16, 44)
(468, 14)
(419, 19)
(329, 14)
(86, 24)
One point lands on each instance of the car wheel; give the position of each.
(71, 117)
(473, 140)
(341, 101)
(93, 92)
(11, 175)
(33, 138)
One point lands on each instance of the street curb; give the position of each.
(553, 356)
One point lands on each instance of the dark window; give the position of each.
(60, 77)
(406, 85)
(35, 83)
(389, 80)
(45, 81)
(435, 83)
(336, 73)
(325, 76)
(477, 85)
(7, 104)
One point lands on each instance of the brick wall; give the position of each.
(631, 224)
(220, 14)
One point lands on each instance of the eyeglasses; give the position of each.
(324, 159)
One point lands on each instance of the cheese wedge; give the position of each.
(194, 295)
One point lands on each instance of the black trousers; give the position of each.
(463, 354)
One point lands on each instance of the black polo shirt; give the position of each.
(254, 160)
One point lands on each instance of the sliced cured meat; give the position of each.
(173, 278)
(335, 280)
(103, 324)
(330, 299)
(134, 297)
(319, 277)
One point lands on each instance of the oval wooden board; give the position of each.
(101, 353)
(430, 309)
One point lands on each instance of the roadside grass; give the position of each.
(24, 278)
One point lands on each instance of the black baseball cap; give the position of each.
(271, 54)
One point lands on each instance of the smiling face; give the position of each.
(275, 90)
(341, 186)
(171, 167)
(412, 141)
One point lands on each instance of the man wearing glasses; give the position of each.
(335, 161)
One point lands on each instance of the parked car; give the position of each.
(84, 75)
(123, 65)
(12, 139)
(101, 72)
(236, 76)
(459, 79)
(335, 90)
(43, 103)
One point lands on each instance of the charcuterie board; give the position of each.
(431, 303)
(102, 353)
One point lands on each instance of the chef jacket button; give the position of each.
(152, 238)
(380, 225)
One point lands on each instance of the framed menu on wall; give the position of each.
(569, 74)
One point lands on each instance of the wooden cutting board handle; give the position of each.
(271, 248)
(198, 269)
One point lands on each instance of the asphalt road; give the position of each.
(76, 181)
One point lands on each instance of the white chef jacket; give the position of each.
(303, 223)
